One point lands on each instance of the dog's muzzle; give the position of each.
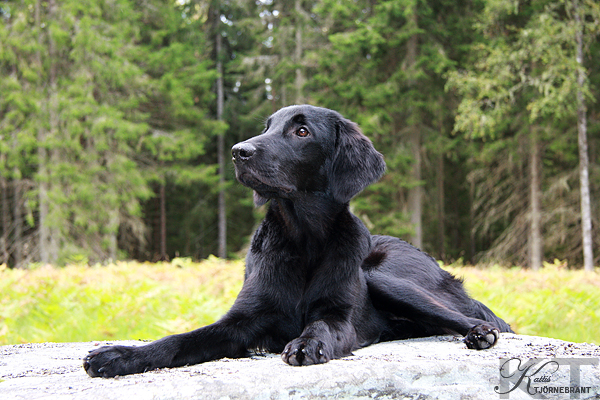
(242, 152)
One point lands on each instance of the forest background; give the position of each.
(117, 116)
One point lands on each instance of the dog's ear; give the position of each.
(356, 164)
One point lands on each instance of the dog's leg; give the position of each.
(320, 342)
(245, 326)
(407, 300)
(208, 343)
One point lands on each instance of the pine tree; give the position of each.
(385, 69)
(21, 85)
(83, 126)
(174, 54)
(523, 72)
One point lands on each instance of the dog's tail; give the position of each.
(488, 315)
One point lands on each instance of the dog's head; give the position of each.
(306, 149)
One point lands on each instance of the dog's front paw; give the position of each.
(110, 361)
(481, 337)
(306, 351)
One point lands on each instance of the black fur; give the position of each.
(317, 284)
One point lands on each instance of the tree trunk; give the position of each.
(18, 222)
(415, 194)
(535, 232)
(440, 208)
(4, 255)
(113, 246)
(586, 214)
(53, 232)
(283, 87)
(298, 53)
(163, 223)
(44, 234)
(472, 247)
(221, 150)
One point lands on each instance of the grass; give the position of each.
(120, 301)
(130, 300)
(554, 302)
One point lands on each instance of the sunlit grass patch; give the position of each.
(126, 300)
(554, 302)
(131, 300)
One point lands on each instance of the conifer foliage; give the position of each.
(116, 117)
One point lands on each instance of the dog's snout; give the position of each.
(242, 151)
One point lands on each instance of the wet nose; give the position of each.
(242, 151)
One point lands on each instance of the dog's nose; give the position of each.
(242, 151)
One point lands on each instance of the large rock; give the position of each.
(429, 368)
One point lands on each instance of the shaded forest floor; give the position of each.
(131, 300)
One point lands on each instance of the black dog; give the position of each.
(317, 284)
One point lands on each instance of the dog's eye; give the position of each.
(302, 132)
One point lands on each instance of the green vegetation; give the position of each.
(116, 119)
(554, 302)
(147, 301)
(119, 301)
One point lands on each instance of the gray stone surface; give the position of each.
(429, 368)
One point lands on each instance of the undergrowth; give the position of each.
(131, 300)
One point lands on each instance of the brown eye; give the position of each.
(302, 132)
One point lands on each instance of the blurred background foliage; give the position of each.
(146, 301)
(116, 117)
